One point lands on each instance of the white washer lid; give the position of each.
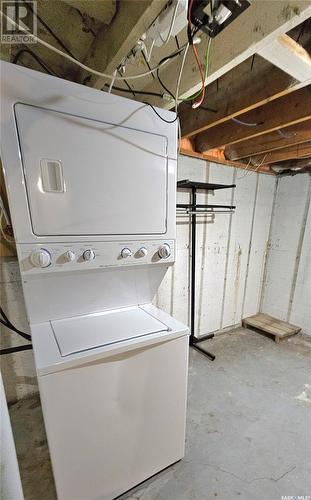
(82, 333)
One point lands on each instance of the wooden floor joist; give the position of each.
(280, 113)
(247, 87)
(278, 139)
(290, 153)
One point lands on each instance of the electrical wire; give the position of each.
(10, 350)
(180, 75)
(251, 171)
(197, 103)
(163, 119)
(171, 56)
(59, 41)
(130, 91)
(207, 57)
(78, 63)
(171, 25)
(37, 58)
(246, 124)
(5, 237)
(7, 323)
(13, 329)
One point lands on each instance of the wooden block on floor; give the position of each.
(273, 326)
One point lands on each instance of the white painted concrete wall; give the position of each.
(18, 370)
(287, 287)
(231, 249)
(10, 484)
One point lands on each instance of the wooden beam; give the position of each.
(289, 56)
(258, 26)
(296, 134)
(291, 153)
(248, 86)
(113, 43)
(280, 113)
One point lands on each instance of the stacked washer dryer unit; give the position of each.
(91, 183)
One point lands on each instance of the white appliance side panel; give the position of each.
(61, 295)
(131, 408)
(86, 177)
(86, 332)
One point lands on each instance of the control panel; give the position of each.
(55, 257)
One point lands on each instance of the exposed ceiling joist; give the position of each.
(289, 56)
(296, 134)
(258, 26)
(187, 148)
(290, 153)
(280, 113)
(246, 87)
(113, 43)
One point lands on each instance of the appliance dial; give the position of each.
(70, 255)
(40, 258)
(164, 251)
(126, 252)
(142, 252)
(88, 255)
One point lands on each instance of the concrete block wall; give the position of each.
(18, 370)
(287, 283)
(231, 249)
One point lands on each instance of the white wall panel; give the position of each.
(285, 233)
(301, 308)
(287, 287)
(230, 248)
(258, 245)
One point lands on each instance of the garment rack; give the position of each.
(193, 209)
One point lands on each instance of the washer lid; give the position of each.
(83, 333)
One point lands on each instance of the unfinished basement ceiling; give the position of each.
(256, 113)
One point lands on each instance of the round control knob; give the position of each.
(40, 258)
(88, 255)
(142, 252)
(164, 251)
(70, 255)
(126, 252)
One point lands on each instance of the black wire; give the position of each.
(163, 60)
(51, 31)
(22, 334)
(163, 119)
(6, 322)
(119, 89)
(37, 58)
(149, 67)
(10, 350)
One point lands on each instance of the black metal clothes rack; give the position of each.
(193, 209)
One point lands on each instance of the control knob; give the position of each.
(164, 251)
(126, 252)
(40, 258)
(88, 254)
(70, 255)
(142, 252)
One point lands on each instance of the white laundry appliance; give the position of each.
(91, 180)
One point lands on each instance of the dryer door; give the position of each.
(87, 177)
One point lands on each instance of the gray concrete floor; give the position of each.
(248, 427)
